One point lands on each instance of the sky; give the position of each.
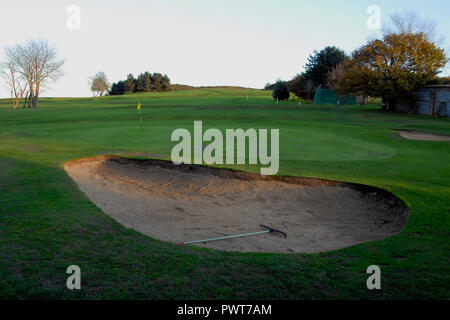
(197, 42)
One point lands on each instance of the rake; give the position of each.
(269, 230)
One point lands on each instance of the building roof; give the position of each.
(440, 87)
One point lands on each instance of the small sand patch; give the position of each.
(183, 203)
(422, 136)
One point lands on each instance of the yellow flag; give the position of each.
(139, 106)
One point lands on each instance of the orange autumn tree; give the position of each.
(390, 67)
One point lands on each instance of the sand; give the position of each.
(422, 136)
(183, 203)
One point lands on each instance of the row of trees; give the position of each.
(406, 56)
(145, 82)
(28, 69)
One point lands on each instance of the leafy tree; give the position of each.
(157, 82)
(130, 84)
(302, 87)
(281, 91)
(392, 67)
(144, 82)
(117, 88)
(166, 86)
(268, 86)
(439, 81)
(321, 63)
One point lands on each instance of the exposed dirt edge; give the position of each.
(241, 175)
(199, 169)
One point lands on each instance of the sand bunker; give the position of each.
(423, 136)
(183, 203)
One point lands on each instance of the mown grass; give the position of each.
(47, 223)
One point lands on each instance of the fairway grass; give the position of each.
(48, 224)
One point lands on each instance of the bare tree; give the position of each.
(309, 88)
(16, 84)
(99, 84)
(334, 76)
(37, 62)
(411, 22)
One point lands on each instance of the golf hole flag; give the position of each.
(140, 114)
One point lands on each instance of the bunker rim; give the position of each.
(193, 203)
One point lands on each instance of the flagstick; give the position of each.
(140, 118)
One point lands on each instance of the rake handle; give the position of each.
(226, 237)
(270, 230)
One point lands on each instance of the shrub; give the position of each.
(281, 91)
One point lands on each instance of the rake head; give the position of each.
(274, 231)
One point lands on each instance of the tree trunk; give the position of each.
(35, 101)
(383, 104)
(30, 98)
(25, 96)
(15, 102)
(392, 103)
(36, 97)
(12, 99)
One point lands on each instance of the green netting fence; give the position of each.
(328, 96)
